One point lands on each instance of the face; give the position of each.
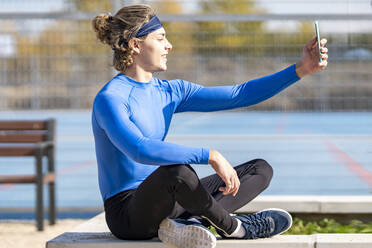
(153, 51)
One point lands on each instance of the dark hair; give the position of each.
(117, 30)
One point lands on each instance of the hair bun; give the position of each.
(101, 25)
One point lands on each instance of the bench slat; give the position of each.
(23, 125)
(21, 138)
(18, 179)
(17, 151)
(48, 177)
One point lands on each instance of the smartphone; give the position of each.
(318, 38)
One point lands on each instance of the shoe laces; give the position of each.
(257, 225)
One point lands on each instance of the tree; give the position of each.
(231, 36)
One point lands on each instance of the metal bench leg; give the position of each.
(52, 201)
(39, 192)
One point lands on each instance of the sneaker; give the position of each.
(185, 234)
(265, 224)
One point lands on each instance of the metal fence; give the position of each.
(50, 58)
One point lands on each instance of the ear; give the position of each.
(135, 45)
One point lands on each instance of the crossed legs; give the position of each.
(175, 191)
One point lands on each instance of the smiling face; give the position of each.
(153, 51)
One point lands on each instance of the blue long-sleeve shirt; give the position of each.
(130, 120)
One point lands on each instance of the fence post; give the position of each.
(35, 82)
(4, 99)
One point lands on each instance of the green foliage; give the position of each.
(91, 5)
(223, 6)
(328, 226)
(227, 36)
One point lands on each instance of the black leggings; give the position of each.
(175, 191)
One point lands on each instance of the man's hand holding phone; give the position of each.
(314, 56)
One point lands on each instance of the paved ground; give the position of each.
(23, 234)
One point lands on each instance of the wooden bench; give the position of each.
(32, 138)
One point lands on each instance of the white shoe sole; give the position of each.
(283, 211)
(178, 235)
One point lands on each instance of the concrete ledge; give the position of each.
(95, 234)
(312, 204)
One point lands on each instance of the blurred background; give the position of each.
(317, 134)
(50, 58)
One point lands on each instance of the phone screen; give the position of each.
(318, 38)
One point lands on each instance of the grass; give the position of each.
(304, 227)
(328, 226)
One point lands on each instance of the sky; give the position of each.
(317, 6)
(321, 7)
(24, 6)
(270, 6)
